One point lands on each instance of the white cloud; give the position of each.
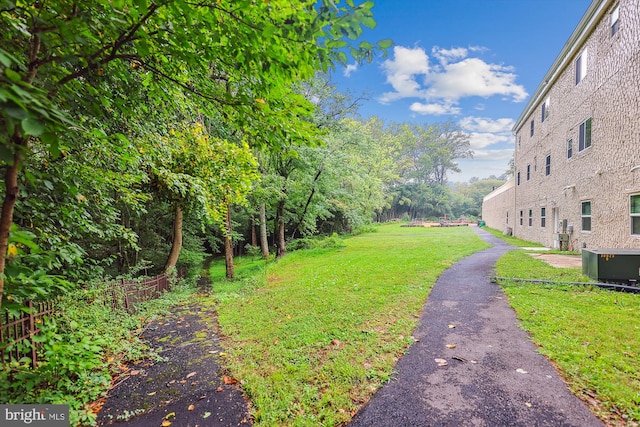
(447, 55)
(485, 132)
(493, 155)
(484, 124)
(433, 109)
(402, 71)
(474, 77)
(442, 86)
(350, 69)
(482, 140)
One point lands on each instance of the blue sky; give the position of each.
(473, 62)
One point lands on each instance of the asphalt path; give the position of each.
(494, 376)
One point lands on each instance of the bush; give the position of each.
(334, 241)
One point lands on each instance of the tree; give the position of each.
(232, 56)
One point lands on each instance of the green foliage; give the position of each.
(584, 331)
(81, 348)
(321, 242)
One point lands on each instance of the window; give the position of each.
(528, 172)
(581, 66)
(615, 20)
(584, 135)
(586, 216)
(519, 141)
(635, 214)
(547, 165)
(530, 217)
(521, 216)
(545, 110)
(543, 217)
(569, 148)
(507, 217)
(531, 128)
(518, 178)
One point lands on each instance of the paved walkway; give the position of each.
(493, 377)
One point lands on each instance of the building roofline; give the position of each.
(582, 31)
(504, 187)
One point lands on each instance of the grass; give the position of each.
(312, 336)
(511, 239)
(591, 335)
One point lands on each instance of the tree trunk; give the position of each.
(228, 246)
(254, 236)
(8, 205)
(264, 243)
(176, 245)
(281, 244)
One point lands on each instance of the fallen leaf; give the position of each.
(288, 316)
(135, 372)
(219, 389)
(528, 404)
(473, 361)
(441, 362)
(151, 394)
(206, 415)
(521, 371)
(228, 380)
(183, 381)
(213, 351)
(189, 375)
(450, 346)
(452, 326)
(169, 415)
(191, 407)
(166, 423)
(335, 342)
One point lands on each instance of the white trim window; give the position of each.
(545, 110)
(530, 217)
(634, 210)
(547, 165)
(543, 217)
(569, 148)
(615, 20)
(586, 215)
(581, 66)
(584, 135)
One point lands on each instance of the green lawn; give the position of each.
(321, 330)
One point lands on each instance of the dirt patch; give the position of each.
(187, 387)
(560, 261)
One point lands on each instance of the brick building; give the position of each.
(577, 142)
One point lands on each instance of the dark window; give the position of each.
(521, 216)
(530, 217)
(545, 110)
(531, 127)
(547, 167)
(569, 148)
(528, 172)
(635, 214)
(543, 217)
(584, 135)
(518, 178)
(586, 216)
(507, 217)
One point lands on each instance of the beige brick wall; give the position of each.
(609, 94)
(498, 207)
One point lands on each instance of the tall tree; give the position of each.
(233, 56)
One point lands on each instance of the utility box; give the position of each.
(561, 237)
(612, 265)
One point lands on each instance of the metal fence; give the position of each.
(16, 331)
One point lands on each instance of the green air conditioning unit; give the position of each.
(612, 265)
